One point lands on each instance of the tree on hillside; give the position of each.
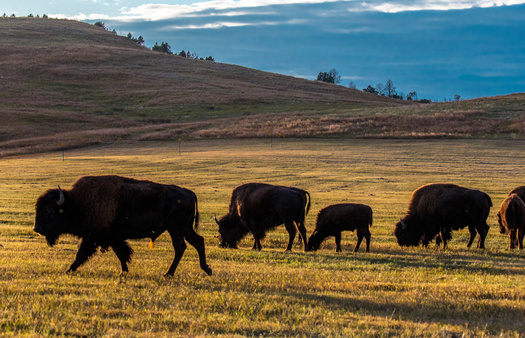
(100, 24)
(412, 96)
(139, 40)
(332, 76)
(457, 97)
(380, 89)
(352, 85)
(390, 89)
(164, 47)
(370, 89)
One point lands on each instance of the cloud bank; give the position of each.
(241, 9)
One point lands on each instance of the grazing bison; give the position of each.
(105, 211)
(520, 191)
(437, 209)
(257, 208)
(511, 219)
(335, 218)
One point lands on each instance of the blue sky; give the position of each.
(437, 48)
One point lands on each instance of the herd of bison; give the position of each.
(105, 211)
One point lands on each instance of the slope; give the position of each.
(71, 84)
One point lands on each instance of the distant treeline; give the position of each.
(387, 89)
(164, 47)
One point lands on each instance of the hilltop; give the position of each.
(71, 84)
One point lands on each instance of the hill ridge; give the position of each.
(67, 79)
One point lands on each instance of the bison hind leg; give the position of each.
(197, 241)
(123, 252)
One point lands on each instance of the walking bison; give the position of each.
(105, 211)
(437, 209)
(511, 219)
(257, 208)
(334, 219)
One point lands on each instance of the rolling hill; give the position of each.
(72, 84)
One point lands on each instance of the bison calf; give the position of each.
(105, 211)
(334, 219)
(511, 219)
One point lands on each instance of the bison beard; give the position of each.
(437, 209)
(105, 211)
(257, 208)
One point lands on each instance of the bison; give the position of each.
(334, 219)
(105, 211)
(257, 208)
(437, 209)
(520, 191)
(511, 219)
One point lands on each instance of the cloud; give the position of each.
(266, 12)
(435, 5)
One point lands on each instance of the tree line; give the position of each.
(388, 89)
(163, 47)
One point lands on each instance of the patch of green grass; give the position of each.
(390, 291)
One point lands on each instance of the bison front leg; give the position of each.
(521, 233)
(87, 249)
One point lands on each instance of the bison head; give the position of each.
(51, 219)
(314, 242)
(231, 231)
(407, 234)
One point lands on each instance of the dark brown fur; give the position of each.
(520, 191)
(437, 209)
(511, 219)
(259, 207)
(334, 219)
(105, 211)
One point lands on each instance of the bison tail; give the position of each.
(308, 204)
(197, 215)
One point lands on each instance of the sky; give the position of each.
(436, 48)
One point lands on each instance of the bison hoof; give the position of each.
(207, 269)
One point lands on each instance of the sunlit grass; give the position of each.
(389, 291)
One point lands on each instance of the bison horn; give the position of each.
(403, 224)
(61, 199)
(216, 220)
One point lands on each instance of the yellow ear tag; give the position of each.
(151, 244)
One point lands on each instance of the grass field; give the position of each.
(390, 291)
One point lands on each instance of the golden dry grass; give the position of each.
(391, 291)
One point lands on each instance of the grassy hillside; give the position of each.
(71, 84)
